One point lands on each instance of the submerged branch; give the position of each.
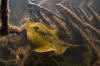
(79, 31)
(45, 10)
(96, 18)
(4, 16)
(95, 51)
(5, 27)
(75, 18)
(6, 61)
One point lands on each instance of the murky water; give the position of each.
(69, 23)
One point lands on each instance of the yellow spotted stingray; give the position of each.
(43, 38)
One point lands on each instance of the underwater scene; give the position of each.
(49, 32)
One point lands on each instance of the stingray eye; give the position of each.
(36, 28)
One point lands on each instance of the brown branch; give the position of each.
(80, 13)
(83, 11)
(68, 13)
(75, 28)
(4, 17)
(46, 18)
(95, 16)
(5, 27)
(75, 18)
(45, 10)
(95, 51)
(87, 19)
(6, 61)
(79, 31)
(62, 26)
(40, 16)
